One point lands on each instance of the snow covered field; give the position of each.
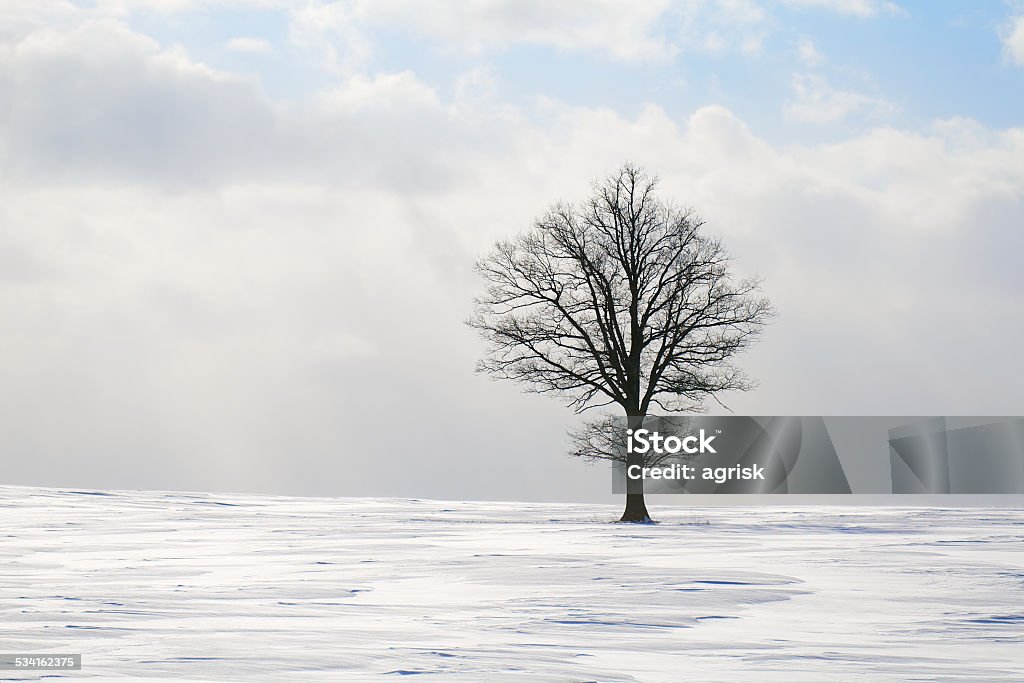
(225, 588)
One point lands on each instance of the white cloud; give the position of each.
(124, 7)
(154, 115)
(815, 101)
(596, 26)
(137, 109)
(341, 31)
(402, 91)
(808, 52)
(1013, 40)
(24, 16)
(333, 30)
(193, 274)
(653, 30)
(856, 8)
(244, 44)
(722, 26)
(599, 26)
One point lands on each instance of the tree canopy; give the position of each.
(623, 299)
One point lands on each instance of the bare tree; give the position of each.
(622, 299)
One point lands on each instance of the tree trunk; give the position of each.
(636, 509)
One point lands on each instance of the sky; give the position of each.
(237, 236)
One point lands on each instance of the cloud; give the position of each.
(856, 8)
(649, 31)
(124, 7)
(598, 26)
(816, 101)
(402, 90)
(342, 32)
(1013, 40)
(144, 113)
(248, 45)
(723, 26)
(205, 288)
(808, 52)
(21, 17)
(139, 110)
(332, 30)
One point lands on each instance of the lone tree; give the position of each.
(622, 299)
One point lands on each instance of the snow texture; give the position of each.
(229, 588)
